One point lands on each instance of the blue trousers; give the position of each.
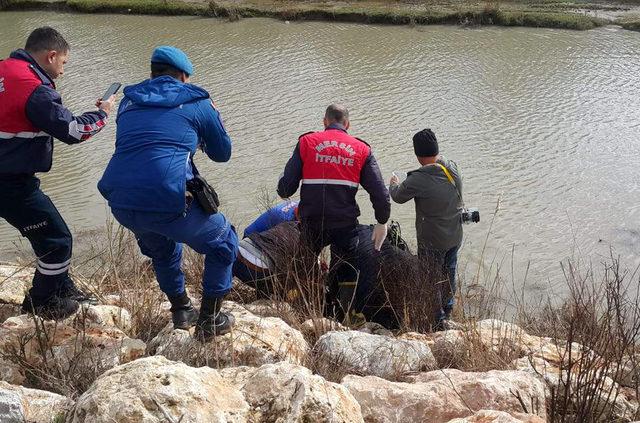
(24, 206)
(160, 237)
(442, 265)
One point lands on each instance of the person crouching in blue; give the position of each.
(161, 122)
(249, 268)
(285, 211)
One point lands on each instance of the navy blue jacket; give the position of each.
(32, 114)
(161, 123)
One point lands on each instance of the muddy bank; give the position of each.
(564, 15)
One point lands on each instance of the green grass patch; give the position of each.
(548, 20)
(374, 13)
(630, 22)
(573, 5)
(30, 5)
(147, 7)
(397, 13)
(631, 25)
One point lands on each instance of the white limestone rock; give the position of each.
(493, 416)
(15, 281)
(19, 405)
(365, 354)
(442, 395)
(319, 326)
(11, 409)
(253, 341)
(10, 372)
(150, 389)
(103, 315)
(47, 343)
(286, 392)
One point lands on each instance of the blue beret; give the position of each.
(172, 56)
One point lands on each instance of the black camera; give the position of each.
(471, 215)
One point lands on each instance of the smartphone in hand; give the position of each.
(114, 88)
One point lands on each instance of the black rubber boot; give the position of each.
(183, 314)
(55, 308)
(71, 291)
(212, 322)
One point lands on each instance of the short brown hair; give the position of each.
(337, 113)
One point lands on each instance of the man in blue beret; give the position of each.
(161, 123)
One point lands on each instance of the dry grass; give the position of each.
(68, 367)
(601, 320)
(115, 273)
(600, 317)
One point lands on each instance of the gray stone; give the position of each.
(11, 410)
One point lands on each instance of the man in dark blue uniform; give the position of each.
(162, 121)
(31, 115)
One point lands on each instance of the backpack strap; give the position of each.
(447, 173)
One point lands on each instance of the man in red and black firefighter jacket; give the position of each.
(31, 115)
(331, 165)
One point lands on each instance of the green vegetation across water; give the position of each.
(631, 23)
(537, 13)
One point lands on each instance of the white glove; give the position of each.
(378, 235)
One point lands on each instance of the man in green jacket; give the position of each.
(436, 188)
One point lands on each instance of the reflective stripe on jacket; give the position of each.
(331, 165)
(31, 114)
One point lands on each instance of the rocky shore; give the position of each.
(273, 369)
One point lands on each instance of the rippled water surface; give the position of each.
(547, 122)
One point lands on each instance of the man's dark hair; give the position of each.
(337, 113)
(46, 38)
(162, 69)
